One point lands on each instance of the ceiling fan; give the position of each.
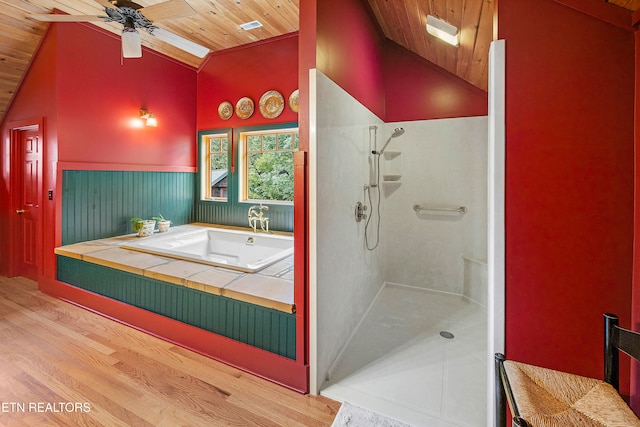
(133, 17)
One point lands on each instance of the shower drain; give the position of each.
(446, 334)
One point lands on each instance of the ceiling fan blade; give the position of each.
(131, 43)
(179, 42)
(65, 18)
(168, 10)
(107, 4)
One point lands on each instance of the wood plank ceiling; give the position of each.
(405, 21)
(216, 25)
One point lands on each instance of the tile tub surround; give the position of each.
(270, 288)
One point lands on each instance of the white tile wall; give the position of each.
(475, 281)
(442, 162)
(348, 276)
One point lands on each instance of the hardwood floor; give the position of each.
(65, 366)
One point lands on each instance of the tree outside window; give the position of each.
(269, 165)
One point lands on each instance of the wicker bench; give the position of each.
(540, 397)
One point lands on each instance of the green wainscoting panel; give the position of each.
(265, 328)
(99, 204)
(236, 213)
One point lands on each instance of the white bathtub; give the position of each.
(239, 250)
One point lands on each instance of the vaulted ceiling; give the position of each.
(216, 25)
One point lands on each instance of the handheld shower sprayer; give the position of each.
(374, 163)
(396, 133)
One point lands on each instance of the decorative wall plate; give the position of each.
(271, 104)
(293, 100)
(244, 107)
(225, 110)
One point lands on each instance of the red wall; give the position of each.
(87, 99)
(38, 84)
(417, 89)
(569, 182)
(250, 71)
(100, 98)
(349, 50)
(635, 313)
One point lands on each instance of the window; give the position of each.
(267, 165)
(215, 166)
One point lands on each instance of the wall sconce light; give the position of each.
(151, 120)
(149, 117)
(442, 30)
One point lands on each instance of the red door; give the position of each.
(28, 208)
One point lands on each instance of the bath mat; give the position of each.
(353, 416)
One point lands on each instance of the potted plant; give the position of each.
(144, 227)
(163, 224)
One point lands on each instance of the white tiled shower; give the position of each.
(439, 259)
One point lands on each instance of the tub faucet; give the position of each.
(256, 215)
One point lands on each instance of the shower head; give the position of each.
(396, 133)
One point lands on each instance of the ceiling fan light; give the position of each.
(131, 44)
(442, 30)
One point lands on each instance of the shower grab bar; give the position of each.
(419, 209)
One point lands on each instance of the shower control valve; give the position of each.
(360, 211)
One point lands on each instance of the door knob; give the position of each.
(20, 211)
